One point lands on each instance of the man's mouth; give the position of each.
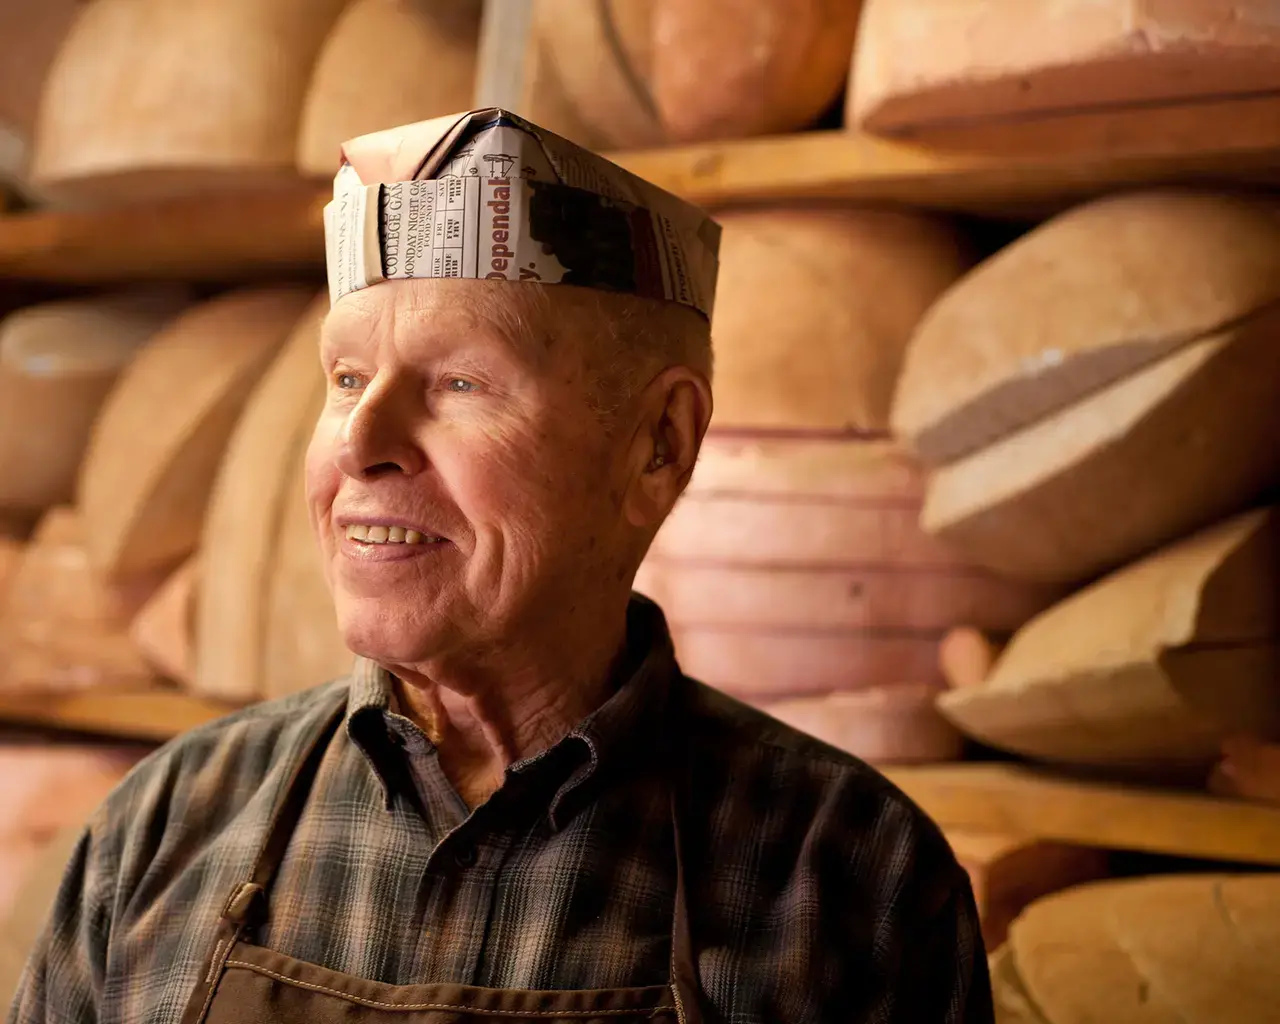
(367, 534)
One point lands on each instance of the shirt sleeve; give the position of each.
(63, 978)
(932, 958)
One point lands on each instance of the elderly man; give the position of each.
(516, 807)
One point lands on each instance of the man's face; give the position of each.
(474, 448)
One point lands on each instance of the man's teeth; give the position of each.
(388, 535)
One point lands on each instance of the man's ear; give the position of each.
(675, 409)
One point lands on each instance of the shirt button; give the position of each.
(465, 857)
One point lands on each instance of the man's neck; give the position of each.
(482, 719)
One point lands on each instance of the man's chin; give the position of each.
(388, 642)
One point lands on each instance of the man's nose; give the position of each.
(377, 438)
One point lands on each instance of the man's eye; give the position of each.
(347, 381)
(460, 385)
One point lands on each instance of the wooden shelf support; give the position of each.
(149, 712)
(1010, 798)
(1020, 171)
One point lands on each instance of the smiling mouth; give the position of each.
(389, 535)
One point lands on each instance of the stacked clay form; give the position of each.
(163, 630)
(159, 438)
(882, 725)
(966, 657)
(1152, 667)
(10, 558)
(30, 34)
(203, 568)
(301, 646)
(257, 516)
(628, 73)
(1009, 871)
(60, 360)
(149, 98)
(814, 305)
(36, 876)
(1173, 949)
(387, 62)
(1122, 348)
(795, 567)
(63, 628)
(1249, 770)
(793, 572)
(44, 789)
(927, 63)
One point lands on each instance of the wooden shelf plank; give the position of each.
(981, 797)
(1028, 801)
(985, 171)
(150, 712)
(204, 238)
(1009, 168)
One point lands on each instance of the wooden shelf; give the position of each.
(1010, 169)
(1029, 801)
(988, 172)
(983, 797)
(205, 238)
(151, 713)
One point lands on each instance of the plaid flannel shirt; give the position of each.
(818, 892)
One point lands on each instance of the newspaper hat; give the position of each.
(488, 195)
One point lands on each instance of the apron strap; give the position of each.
(684, 965)
(246, 905)
(289, 811)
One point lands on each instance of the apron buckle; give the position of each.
(245, 905)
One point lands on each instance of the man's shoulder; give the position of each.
(266, 727)
(742, 731)
(222, 764)
(756, 764)
(856, 904)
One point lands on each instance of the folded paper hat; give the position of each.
(488, 195)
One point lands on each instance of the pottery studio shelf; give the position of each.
(1039, 803)
(236, 236)
(1051, 164)
(977, 796)
(144, 711)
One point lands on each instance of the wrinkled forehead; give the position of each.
(521, 319)
(540, 326)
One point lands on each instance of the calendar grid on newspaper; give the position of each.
(494, 197)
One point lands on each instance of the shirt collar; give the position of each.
(627, 722)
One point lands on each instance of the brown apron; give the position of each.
(247, 984)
